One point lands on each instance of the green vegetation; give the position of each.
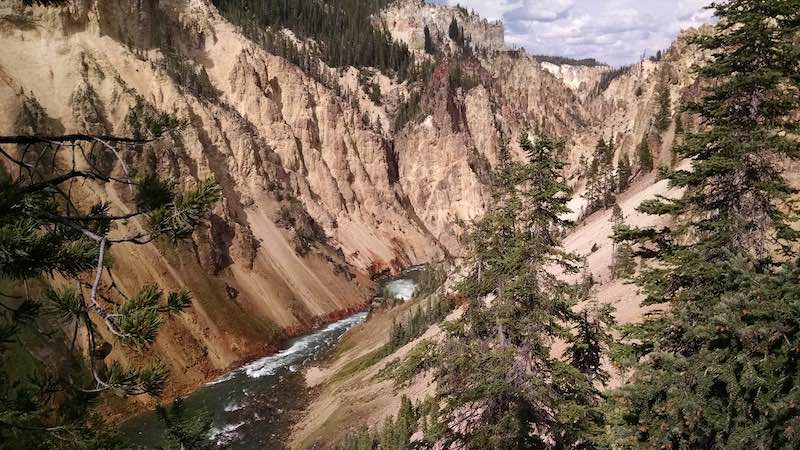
(147, 123)
(420, 359)
(410, 110)
(601, 179)
(717, 368)
(429, 280)
(187, 73)
(562, 60)
(363, 362)
(645, 157)
(395, 434)
(370, 86)
(607, 77)
(624, 173)
(495, 376)
(46, 237)
(623, 262)
(429, 311)
(462, 78)
(663, 117)
(425, 315)
(342, 30)
(185, 430)
(455, 32)
(657, 57)
(429, 46)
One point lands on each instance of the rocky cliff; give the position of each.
(407, 19)
(318, 193)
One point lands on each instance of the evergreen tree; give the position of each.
(645, 157)
(499, 386)
(623, 263)
(678, 125)
(624, 173)
(394, 433)
(343, 29)
(430, 48)
(185, 430)
(591, 339)
(48, 237)
(718, 367)
(617, 216)
(454, 32)
(601, 183)
(45, 2)
(662, 118)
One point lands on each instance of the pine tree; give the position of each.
(601, 182)
(45, 237)
(454, 32)
(185, 430)
(430, 48)
(623, 263)
(499, 385)
(718, 367)
(624, 173)
(662, 118)
(617, 216)
(645, 157)
(591, 339)
(343, 29)
(45, 2)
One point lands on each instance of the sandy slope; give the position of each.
(360, 400)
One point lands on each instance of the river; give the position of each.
(253, 406)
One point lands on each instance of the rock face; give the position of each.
(318, 196)
(581, 79)
(406, 20)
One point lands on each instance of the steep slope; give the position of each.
(318, 194)
(407, 19)
(350, 399)
(67, 71)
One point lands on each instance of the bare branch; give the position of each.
(101, 217)
(114, 283)
(105, 315)
(121, 161)
(71, 138)
(27, 427)
(62, 178)
(109, 177)
(15, 161)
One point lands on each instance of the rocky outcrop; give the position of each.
(583, 80)
(406, 21)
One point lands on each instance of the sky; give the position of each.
(616, 32)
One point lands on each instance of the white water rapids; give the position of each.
(252, 405)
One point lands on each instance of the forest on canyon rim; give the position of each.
(608, 256)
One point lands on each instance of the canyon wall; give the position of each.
(316, 199)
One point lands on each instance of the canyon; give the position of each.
(321, 193)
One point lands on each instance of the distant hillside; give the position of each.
(563, 60)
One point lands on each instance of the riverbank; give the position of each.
(255, 405)
(353, 390)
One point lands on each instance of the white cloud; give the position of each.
(488, 9)
(541, 10)
(614, 31)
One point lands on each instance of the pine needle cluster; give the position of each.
(718, 366)
(48, 238)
